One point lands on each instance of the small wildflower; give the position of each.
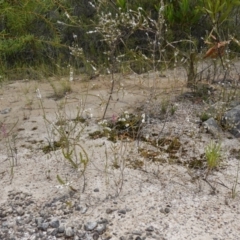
(103, 122)
(126, 114)
(108, 129)
(114, 118)
(92, 4)
(74, 36)
(4, 130)
(143, 118)
(67, 15)
(38, 93)
(122, 120)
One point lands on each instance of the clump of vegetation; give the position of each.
(9, 140)
(204, 116)
(213, 156)
(68, 131)
(53, 146)
(126, 126)
(61, 88)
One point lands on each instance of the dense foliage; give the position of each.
(45, 37)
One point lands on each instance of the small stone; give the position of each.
(28, 219)
(39, 221)
(61, 229)
(12, 237)
(21, 229)
(8, 211)
(89, 226)
(69, 232)
(138, 238)
(5, 111)
(107, 236)
(122, 238)
(109, 211)
(78, 207)
(19, 221)
(54, 232)
(96, 190)
(44, 226)
(101, 228)
(84, 210)
(95, 236)
(20, 211)
(5, 224)
(167, 210)
(30, 230)
(55, 223)
(150, 229)
(102, 221)
(136, 232)
(43, 214)
(82, 235)
(3, 213)
(122, 211)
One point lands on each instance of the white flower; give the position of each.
(126, 114)
(122, 120)
(127, 125)
(61, 23)
(90, 32)
(103, 122)
(38, 93)
(92, 4)
(67, 15)
(93, 67)
(143, 118)
(108, 129)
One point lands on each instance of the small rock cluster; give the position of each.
(230, 122)
(22, 217)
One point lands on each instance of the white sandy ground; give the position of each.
(195, 210)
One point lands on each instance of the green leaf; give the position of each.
(60, 180)
(122, 4)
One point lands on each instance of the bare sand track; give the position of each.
(142, 196)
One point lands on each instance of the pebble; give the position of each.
(165, 210)
(150, 229)
(122, 211)
(5, 111)
(136, 232)
(69, 232)
(44, 226)
(89, 226)
(101, 228)
(109, 211)
(61, 229)
(55, 223)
